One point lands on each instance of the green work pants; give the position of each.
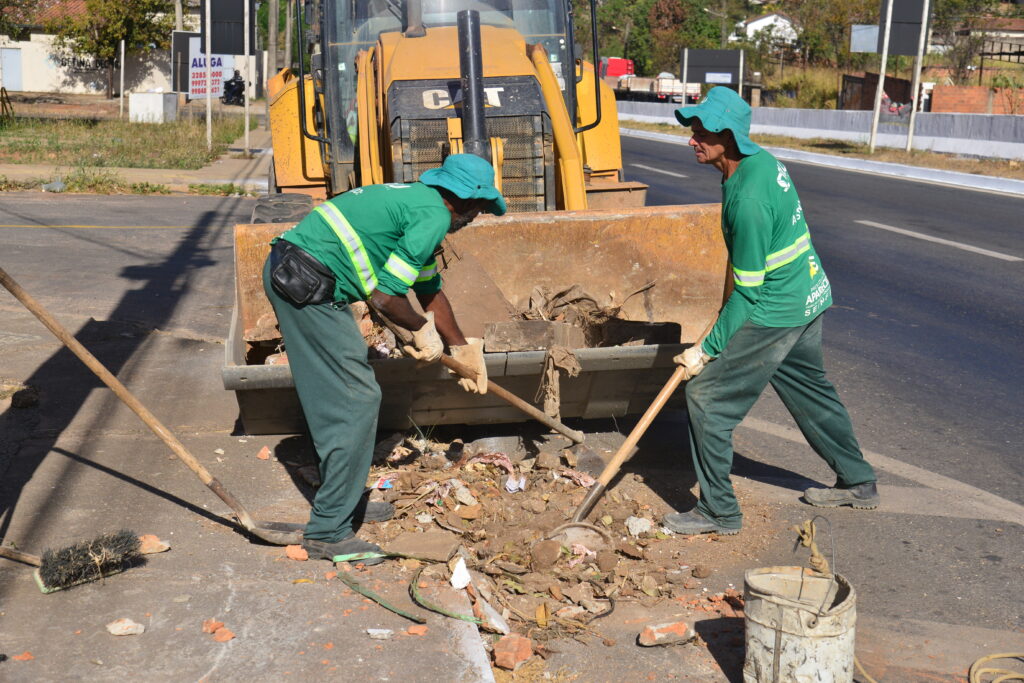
(340, 398)
(720, 397)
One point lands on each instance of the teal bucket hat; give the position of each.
(469, 177)
(722, 109)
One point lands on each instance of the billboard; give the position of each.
(197, 86)
(718, 67)
(905, 29)
(227, 35)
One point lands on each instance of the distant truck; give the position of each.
(664, 87)
(615, 67)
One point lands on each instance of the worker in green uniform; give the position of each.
(370, 243)
(769, 330)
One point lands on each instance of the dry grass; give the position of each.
(1000, 168)
(111, 143)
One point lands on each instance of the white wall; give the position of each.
(46, 68)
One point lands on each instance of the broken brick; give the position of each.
(150, 544)
(223, 635)
(417, 630)
(25, 656)
(264, 453)
(665, 634)
(211, 625)
(296, 552)
(512, 650)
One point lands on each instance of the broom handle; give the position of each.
(121, 391)
(19, 556)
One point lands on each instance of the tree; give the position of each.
(954, 25)
(676, 24)
(97, 32)
(13, 16)
(824, 25)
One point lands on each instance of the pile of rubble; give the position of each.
(505, 536)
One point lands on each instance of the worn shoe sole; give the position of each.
(867, 504)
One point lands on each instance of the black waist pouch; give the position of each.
(296, 275)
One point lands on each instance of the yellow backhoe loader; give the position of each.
(385, 89)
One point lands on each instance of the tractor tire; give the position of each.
(282, 208)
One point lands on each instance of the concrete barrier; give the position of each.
(980, 135)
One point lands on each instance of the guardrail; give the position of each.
(980, 135)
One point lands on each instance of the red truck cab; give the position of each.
(615, 67)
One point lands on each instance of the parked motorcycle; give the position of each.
(234, 90)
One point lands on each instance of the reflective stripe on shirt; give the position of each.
(427, 273)
(400, 269)
(353, 245)
(748, 278)
(784, 256)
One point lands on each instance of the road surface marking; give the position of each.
(660, 170)
(999, 508)
(103, 227)
(939, 240)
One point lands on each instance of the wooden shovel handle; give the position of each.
(501, 392)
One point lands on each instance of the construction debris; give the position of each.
(125, 627)
(671, 633)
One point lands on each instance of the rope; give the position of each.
(977, 670)
(414, 593)
(807, 532)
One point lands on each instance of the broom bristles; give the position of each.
(89, 560)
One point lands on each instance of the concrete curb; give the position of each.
(929, 175)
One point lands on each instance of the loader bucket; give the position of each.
(610, 254)
(498, 261)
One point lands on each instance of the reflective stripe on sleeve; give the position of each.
(353, 245)
(400, 269)
(427, 273)
(748, 278)
(784, 256)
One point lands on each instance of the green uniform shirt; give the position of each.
(377, 237)
(778, 276)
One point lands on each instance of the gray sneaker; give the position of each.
(322, 550)
(691, 523)
(862, 496)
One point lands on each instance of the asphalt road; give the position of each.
(924, 338)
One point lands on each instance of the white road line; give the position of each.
(660, 170)
(994, 506)
(939, 240)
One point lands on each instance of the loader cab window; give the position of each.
(355, 25)
(539, 21)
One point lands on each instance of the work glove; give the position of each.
(693, 361)
(471, 354)
(426, 344)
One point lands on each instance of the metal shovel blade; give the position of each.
(277, 533)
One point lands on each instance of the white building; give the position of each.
(36, 64)
(781, 28)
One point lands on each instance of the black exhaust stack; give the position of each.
(474, 127)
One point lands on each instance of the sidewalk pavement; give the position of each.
(232, 167)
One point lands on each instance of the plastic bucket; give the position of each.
(799, 626)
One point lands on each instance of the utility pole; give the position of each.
(289, 31)
(248, 62)
(881, 77)
(916, 83)
(273, 14)
(722, 22)
(209, 83)
(178, 19)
